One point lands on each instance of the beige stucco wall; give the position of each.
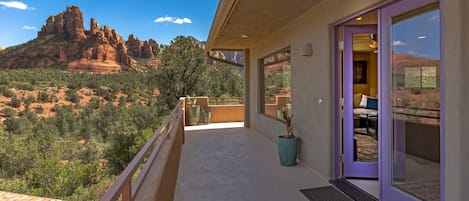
(456, 51)
(311, 81)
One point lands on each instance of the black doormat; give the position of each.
(352, 191)
(325, 193)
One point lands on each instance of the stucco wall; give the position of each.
(456, 51)
(311, 80)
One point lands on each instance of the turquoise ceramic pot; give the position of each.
(208, 117)
(194, 114)
(287, 149)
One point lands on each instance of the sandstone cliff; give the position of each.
(63, 42)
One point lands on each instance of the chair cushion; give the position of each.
(363, 101)
(372, 103)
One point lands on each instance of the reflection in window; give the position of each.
(420, 77)
(415, 100)
(276, 71)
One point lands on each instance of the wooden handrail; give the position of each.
(170, 128)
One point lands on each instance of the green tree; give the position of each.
(183, 70)
(225, 80)
(55, 178)
(123, 147)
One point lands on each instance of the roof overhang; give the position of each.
(238, 24)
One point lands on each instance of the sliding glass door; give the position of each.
(410, 101)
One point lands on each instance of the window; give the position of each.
(276, 84)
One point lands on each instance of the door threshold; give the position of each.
(353, 191)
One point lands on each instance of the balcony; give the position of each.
(220, 161)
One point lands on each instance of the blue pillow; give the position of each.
(372, 103)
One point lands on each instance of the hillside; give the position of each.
(63, 42)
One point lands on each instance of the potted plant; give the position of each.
(193, 110)
(287, 144)
(207, 116)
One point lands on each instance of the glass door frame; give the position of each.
(337, 47)
(356, 169)
(387, 191)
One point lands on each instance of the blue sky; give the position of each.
(418, 36)
(161, 20)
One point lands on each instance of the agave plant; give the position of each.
(288, 123)
(191, 101)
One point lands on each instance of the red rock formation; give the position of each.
(62, 56)
(1, 48)
(147, 51)
(94, 27)
(63, 41)
(84, 65)
(69, 23)
(74, 23)
(135, 46)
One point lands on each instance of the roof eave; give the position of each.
(224, 11)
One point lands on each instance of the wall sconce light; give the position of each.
(307, 50)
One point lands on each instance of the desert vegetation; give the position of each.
(68, 135)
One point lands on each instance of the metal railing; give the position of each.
(432, 113)
(157, 178)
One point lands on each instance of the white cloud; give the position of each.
(174, 20)
(15, 4)
(434, 18)
(27, 27)
(398, 43)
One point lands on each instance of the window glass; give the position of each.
(416, 102)
(276, 83)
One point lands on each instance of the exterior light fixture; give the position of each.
(358, 18)
(421, 37)
(307, 50)
(244, 36)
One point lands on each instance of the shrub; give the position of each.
(39, 110)
(72, 96)
(28, 100)
(94, 103)
(6, 92)
(25, 86)
(14, 102)
(42, 97)
(8, 112)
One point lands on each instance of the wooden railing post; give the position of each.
(127, 192)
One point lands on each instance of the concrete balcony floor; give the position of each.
(232, 163)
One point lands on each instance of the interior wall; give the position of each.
(312, 83)
(455, 51)
(371, 86)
